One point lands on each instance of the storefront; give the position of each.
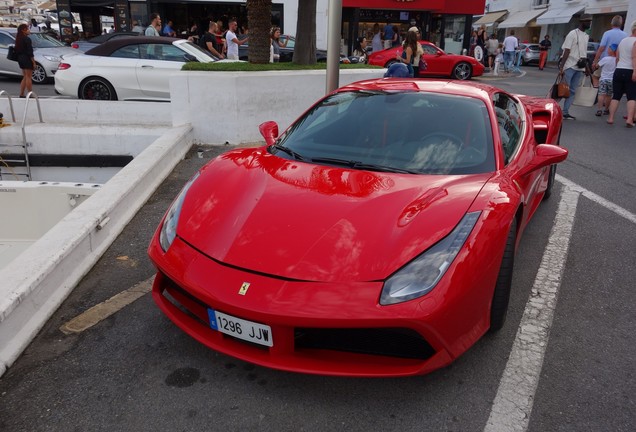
(446, 23)
(124, 13)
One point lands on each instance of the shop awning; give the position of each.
(491, 18)
(520, 19)
(608, 9)
(560, 15)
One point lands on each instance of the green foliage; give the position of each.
(251, 67)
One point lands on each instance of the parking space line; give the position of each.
(515, 396)
(597, 199)
(105, 309)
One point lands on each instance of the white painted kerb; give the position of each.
(34, 285)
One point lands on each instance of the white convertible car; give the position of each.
(130, 68)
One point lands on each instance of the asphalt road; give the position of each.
(135, 370)
(12, 86)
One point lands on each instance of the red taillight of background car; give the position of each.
(63, 66)
(75, 45)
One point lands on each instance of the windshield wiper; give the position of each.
(365, 166)
(383, 168)
(289, 151)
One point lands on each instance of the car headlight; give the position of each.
(169, 228)
(53, 59)
(422, 274)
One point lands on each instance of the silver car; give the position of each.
(48, 53)
(530, 53)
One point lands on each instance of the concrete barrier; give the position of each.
(229, 106)
(34, 285)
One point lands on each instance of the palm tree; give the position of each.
(305, 49)
(259, 17)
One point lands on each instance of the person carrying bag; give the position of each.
(559, 89)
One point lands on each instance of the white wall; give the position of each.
(248, 99)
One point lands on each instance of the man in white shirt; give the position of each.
(232, 41)
(573, 64)
(510, 45)
(33, 27)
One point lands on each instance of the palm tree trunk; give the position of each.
(259, 18)
(305, 49)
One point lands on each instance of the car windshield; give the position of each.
(41, 40)
(409, 132)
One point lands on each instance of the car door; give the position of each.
(434, 61)
(7, 67)
(518, 148)
(119, 69)
(157, 63)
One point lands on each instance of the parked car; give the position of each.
(286, 52)
(131, 68)
(396, 249)
(47, 51)
(456, 66)
(93, 42)
(530, 53)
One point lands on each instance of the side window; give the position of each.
(509, 122)
(172, 53)
(429, 50)
(129, 51)
(6, 40)
(162, 52)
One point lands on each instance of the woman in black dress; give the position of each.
(24, 50)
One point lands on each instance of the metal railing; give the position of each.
(25, 144)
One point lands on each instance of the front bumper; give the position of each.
(318, 328)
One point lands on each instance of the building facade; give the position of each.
(533, 19)
(445, 22)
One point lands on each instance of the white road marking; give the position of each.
(515, 396)
(597, 199)
(513, 403)
(105, 309)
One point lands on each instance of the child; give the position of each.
(605, 90)
(498, 59)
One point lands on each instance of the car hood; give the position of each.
(262, 213)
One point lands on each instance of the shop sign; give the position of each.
(65, 20)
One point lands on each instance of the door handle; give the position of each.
(147, 66)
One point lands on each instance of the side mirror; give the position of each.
(269, 131)
(545, 155)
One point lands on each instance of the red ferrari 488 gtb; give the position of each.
(374, 237)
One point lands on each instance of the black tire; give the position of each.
(96, 88)
(462, 71)
(548, 190)
(501, 296)
(39, 74)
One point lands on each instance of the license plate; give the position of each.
(240, 328)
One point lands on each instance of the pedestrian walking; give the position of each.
(573, 63)
(624, 81)
(606, 67)
(544, 47)
(26, 59)
(510, 45)
(155, 20)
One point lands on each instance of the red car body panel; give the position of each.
(317, 242)
(438, 64)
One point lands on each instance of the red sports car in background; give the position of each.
(455, 66)
(374, 237)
